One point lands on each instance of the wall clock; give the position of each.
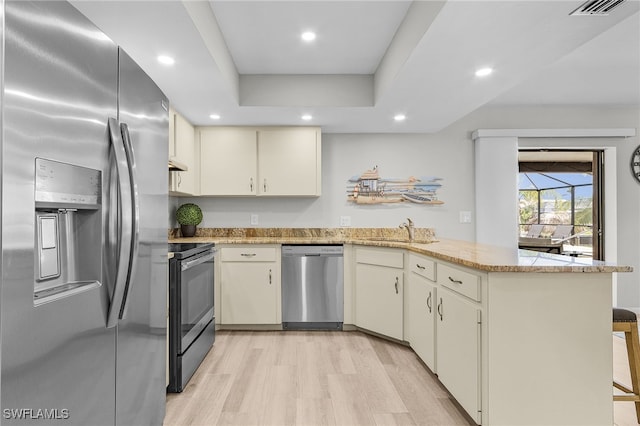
(635, 163)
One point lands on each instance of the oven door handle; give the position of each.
(195, 262)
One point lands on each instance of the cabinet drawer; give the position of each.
(248, 254)
(422, 266)
(460, 281)
(392, 258)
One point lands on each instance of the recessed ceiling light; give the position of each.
(483, 72)
(399, 117)
(214, 117)
(166, 60)
(306, 117)
(308, 36)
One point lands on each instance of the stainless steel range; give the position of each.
(191, 310)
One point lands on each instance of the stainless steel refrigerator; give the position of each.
(84, 135)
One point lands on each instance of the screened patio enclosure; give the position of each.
(550, 199)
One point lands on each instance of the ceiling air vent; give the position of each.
(596, 7)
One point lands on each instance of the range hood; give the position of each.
(175, 165)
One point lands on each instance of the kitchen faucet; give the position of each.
(409, 228)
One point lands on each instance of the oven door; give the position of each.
(196, 297)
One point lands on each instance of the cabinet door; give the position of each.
(379, 295)
(458, 349)
(172, 134)
(249, 293)
(184, 140)
(228, 162)
(420, 330)
(289, 162)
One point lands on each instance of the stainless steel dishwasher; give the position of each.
(312, 287)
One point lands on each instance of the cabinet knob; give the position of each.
(264, 185)
(247, 254)
(397, 279)
(455, 281)
(429, 302)
(420, 266)
(251, 184)
(440, 309)
(269, 276)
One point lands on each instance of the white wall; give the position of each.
(345, 155)
(450, 155)
(496, 186)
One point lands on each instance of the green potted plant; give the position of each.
(188, 216)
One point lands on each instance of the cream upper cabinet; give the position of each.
(184, 151)
(241, 161)
(289, 162)
(379, 290)
(228, 161)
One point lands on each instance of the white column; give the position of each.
(496, 162)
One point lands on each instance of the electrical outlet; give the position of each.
(345, 220)
(465, 217)
(254, 219)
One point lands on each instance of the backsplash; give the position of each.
(420, 234)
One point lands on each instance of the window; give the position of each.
(559, 191)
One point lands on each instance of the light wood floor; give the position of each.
(624, 413)
(326, 378)
(311, 378)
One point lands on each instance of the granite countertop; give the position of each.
(501, 259)
(473, 255)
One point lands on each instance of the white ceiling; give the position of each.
(244, 60)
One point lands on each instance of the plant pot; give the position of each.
(188, 230)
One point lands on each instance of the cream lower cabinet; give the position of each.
(379, 290)
(250, 285)
(458, 336)
(420, 304)
(440, 315)
(458, 350)
(511, 347)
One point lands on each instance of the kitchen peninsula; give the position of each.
(517, 337)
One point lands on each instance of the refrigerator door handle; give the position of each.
(125, 212)
(135, 216)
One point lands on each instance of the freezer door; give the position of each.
(60, 85)
(141, 373)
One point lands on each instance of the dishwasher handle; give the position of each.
(311, 250)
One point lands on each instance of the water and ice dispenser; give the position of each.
(68, 219)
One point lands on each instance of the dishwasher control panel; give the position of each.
(312, 250)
